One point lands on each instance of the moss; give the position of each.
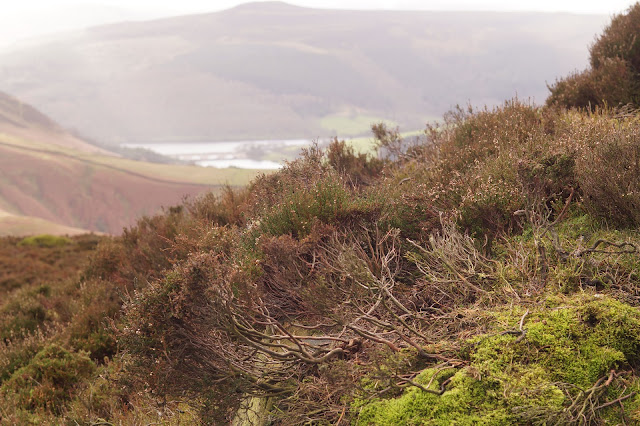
(467, 401)
(45, 240)
(568, 346)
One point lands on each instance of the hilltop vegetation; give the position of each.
(488, 275)
(614, 66)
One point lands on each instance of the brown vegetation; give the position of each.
(488, 275)
(613, 76)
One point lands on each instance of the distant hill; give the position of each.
(11, 225)
(53, 182)
(20, 119)
(271, 70)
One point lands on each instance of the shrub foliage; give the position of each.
(487, 274)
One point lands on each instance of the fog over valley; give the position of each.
(276, 71)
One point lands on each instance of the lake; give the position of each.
(259, 154)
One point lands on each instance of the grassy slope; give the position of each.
(91, 190)
(154, 171)
(49, 176)
(12, 225)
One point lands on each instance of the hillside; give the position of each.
(53, 182)
(271, 70)
(487, 274)
(501, 274)
(21, 120)
(11, 224)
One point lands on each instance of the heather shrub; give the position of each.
(143, 251)
(24, 312)
(606, 152)
(548, 176)
(468, 137)
(618, 40)
(225, 208)
(407, 206)
(612, 78)
(357, 169)
(487, 207)
(287, 280)
(469, 173)
(267, 191)
(48, 381)
(89, 330)
(389, 142)
(325, 201)
(612, 83)
(184, 316)
(17, 353)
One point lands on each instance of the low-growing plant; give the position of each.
(553, 367)
(357, 169)
(606, 152)
(48, 382)
(45, 240)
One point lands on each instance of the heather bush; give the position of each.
(150, 247)
(48, 381)
(606, 152)
(25, 311)
(612, 78)
(326, 201)
(613, 83)
(357, 169)
(17, 353)
(89, 330)
(267, 190)
(224, 208)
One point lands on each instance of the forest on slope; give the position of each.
(487, 275)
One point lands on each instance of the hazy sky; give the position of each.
(25, 19)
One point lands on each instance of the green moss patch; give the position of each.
(569, 365)
(45, 240)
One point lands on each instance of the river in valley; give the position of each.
(259, 154)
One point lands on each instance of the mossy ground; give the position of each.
(569, 343)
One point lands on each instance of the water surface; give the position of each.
(260, 154)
